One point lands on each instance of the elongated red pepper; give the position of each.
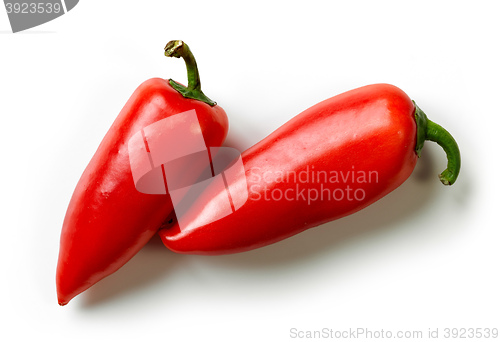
(108, 220)
(330, 161)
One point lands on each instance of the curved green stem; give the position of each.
(429, 130)
(177, 49)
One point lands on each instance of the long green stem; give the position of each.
(429, 130)
(178, 49)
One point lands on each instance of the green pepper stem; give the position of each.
(177, 49)
(429, 130)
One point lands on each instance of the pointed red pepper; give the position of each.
(330, 161)
(108, 220)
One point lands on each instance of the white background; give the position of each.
(425, 257)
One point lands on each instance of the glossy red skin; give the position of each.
(371, 128)
(108, 221)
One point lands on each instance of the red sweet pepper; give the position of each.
(330, 161)
(108, 220)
